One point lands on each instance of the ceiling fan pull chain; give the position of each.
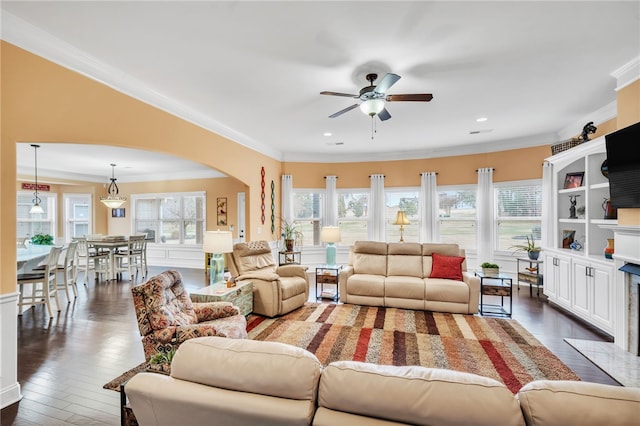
(373, 126)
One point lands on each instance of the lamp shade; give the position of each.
(372, 106)
(401, 218)
(217, 242)
(330, 234)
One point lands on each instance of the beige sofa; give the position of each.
(399, 275)
(246, 382)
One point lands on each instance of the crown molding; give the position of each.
(627, 74)
(476, 148)
(601, 115)
(31, 38)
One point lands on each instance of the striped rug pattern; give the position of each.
(493, 347)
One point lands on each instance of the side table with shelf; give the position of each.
(289, 258)
(328, 275)
(529, 272)
(495, 285)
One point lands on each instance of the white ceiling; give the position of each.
(253, 71)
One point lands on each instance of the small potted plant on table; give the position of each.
(490, 269)
(533, 251)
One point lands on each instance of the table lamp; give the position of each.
(402, 220)
(217, 243)
(330, 235)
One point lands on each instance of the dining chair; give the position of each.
(69, 269)
(90, 259)
(43, 284)
(132, 256)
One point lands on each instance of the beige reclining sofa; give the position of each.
(401, 275)
(246, 382)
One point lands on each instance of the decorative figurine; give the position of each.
(572, 209)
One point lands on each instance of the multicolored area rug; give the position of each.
(492, 347)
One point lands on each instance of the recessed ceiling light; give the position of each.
(328, 134)
(481, 119)
(475, 132)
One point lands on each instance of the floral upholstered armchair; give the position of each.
(167, 317)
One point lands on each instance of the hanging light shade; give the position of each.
(372, 106)
(36, 208)
(113, 199)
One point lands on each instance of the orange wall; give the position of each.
(509, 165)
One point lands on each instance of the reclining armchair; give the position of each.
(277, 290)
(167, 317)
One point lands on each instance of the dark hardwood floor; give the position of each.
(64, 362)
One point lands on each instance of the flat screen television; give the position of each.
(623, 162)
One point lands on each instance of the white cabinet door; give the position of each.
(550, 277)
(582, 288)
(602, 314)
(563, 267)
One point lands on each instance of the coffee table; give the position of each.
(241, 295)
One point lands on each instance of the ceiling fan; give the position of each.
(374, 97)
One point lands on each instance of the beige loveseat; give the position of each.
(399, 275)
(246, 382)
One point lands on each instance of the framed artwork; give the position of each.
(568, 236)
(118, 212)
(221, 210)
(573, 180)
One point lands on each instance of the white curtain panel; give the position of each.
(287, 201)
(547, 205)
(377, 203)
(484, 207)
(428, 203)
(330, 201)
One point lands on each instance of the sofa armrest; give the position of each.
(345, 273)
(259, 275)
(213, 310)
(474, 290)
(292, 271)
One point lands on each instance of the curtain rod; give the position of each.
(487, 168)
(384, 176)
(429, 172)
(333, 176)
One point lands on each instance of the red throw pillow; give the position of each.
(449, 267)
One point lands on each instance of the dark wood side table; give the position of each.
(495, 285)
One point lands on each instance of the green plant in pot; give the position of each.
(490, 269)
(42, 240)
(530, 248)
(161, 361)
(291, 234)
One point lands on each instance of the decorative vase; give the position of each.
(491, 272)
(533, 255)
(288, 243)
(608, 250)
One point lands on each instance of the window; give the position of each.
(28, 224)
(353, 214)
(77, 215)
(176, 218)
(518, 213)
(406, 200)
(458, 216)
(307, 213)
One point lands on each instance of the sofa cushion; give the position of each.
(416, 395)
(404, 264)
(444, 249)
(366, 285)
(449, 267)
(402, 287)
(545, 402)
(292, 286)
(249, 366)
(444, 290)
(370, 257)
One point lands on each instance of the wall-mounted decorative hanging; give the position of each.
(262, 196)
(222, 211)
(273, 207)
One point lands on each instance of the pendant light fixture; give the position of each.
(113, 199)
(36, 208)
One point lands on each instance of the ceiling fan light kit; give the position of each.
(372, 106)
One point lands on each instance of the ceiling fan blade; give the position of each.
(386, 82)
(342, 111)
(346, 95)
(417, 97)
(384, 115)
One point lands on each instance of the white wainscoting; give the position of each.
(179, 256)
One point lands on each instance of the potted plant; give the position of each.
(490, 269)
(161, 361)
(291, 234)
(530, 247)
(42, 240)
